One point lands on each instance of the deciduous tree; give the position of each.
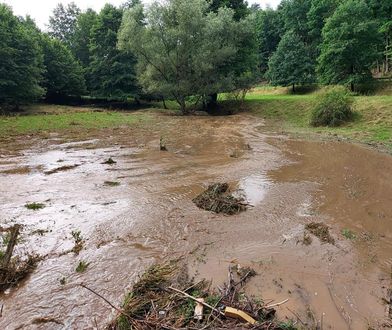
(291, 64)
(349, 44)
(20, 60)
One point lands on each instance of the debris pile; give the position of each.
(13, 268)
(165, 298)
(217, 198)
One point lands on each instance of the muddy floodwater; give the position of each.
(139, 210)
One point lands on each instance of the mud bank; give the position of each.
(148, 216)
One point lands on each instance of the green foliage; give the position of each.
(269, 29)
(186, 50)
(291, 64)
(348, 50)
(63, 75)
(20, 60)
(333, 108)
(62, 24)
(294, 13)
(82, 36)
(111, 72)
(319, 12)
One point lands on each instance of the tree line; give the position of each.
(192, 50)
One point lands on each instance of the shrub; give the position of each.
(333, 108)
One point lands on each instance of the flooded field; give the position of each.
(137, 210)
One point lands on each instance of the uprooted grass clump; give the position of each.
(14, 268)
(34, 206)
(164, 298)
(217, 198)
(321, 231)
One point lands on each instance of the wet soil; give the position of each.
(149, 216)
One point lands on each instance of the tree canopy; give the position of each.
(291, 64)
(62, 23)
(111, 71)
(184, 49)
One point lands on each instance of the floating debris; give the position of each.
(61, 169)
(110, 161)
(218, 199)
(162, 146)
(111, 183)
(321, 231)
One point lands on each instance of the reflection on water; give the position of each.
(254, 188)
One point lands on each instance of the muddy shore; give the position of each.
(149, 216)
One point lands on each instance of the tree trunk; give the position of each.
(183, 108)
(212, 102)
(164, 103)
(293, 88)
(352, 87)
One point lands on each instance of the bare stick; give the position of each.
(277, 304)
(195, 299)
(103, 298)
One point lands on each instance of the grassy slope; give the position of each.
(48, 118)
(373, 122)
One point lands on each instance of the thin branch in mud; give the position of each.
(277, 304)
(296, 315)
(104, 299)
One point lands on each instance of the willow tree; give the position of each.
(184, 49)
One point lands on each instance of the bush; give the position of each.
(333, 108)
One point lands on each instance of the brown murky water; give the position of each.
(150, 216)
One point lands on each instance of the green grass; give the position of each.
(66, 121)
(372, 122)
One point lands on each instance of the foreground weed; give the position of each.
(82, 266)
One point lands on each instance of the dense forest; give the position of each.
(186, 50)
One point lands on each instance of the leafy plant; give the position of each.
(78, 238)
(333, 108)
